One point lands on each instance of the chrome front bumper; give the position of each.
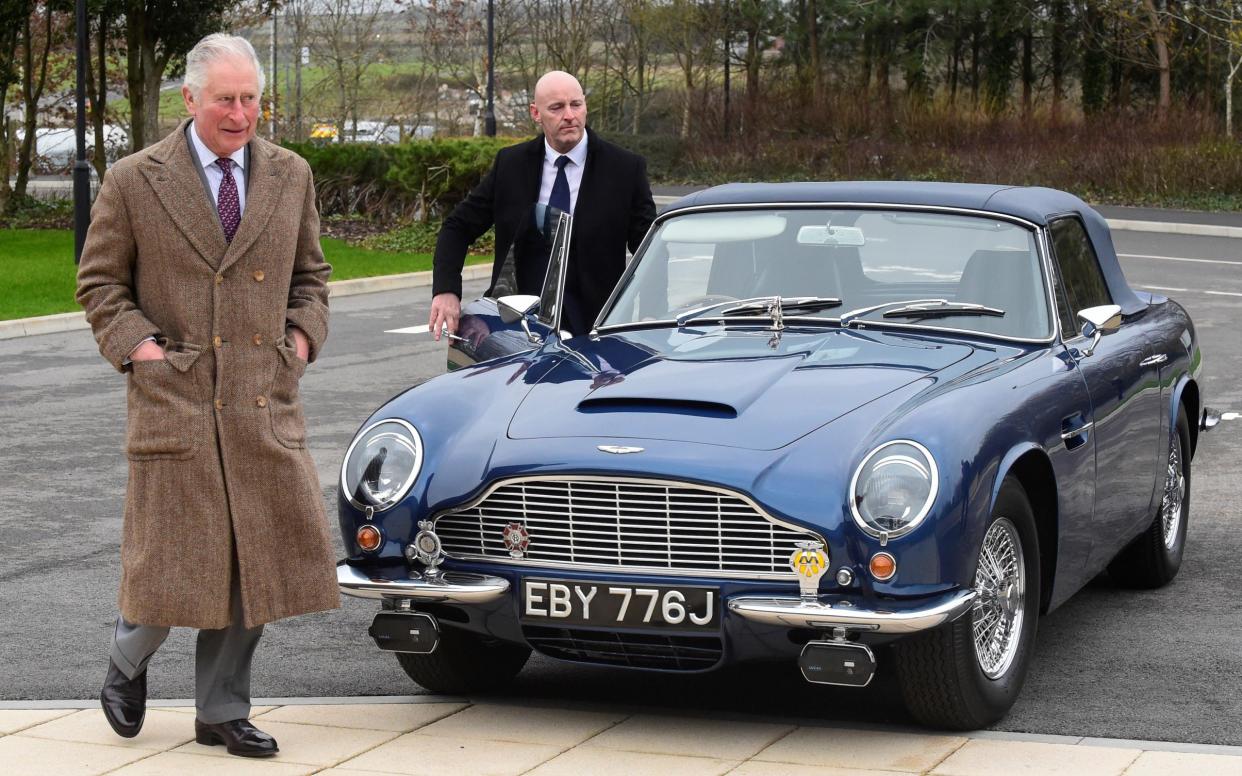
(452, 587)
(828, 612)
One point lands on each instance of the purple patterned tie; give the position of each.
(227, 203)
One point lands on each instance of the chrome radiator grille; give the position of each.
(638, 525)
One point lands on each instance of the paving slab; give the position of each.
(395, 717)
(727, 740)
(1185, 764)
(161, 731)
(607, 762)
(418, 754)
(40, 757)
(865, 749)
(168, 763)
(756, 768)
(13, 720)
(524, 724)
(1016, 758)
(307, 744)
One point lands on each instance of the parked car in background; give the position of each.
(859, 427)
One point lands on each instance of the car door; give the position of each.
(1124, 386)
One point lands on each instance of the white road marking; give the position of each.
(1178, 258)
(1230, 415)
(1191, 290)
(424, 329)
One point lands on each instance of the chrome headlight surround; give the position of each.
(916, 459)
(398, 432)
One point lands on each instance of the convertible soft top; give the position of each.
(1035, 204)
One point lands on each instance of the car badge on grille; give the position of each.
(809, 562)
(516, 538)
(619, 449)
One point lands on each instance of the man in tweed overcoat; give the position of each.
(203, 280)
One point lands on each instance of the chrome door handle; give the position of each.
(1079, 431)
(1154, 360)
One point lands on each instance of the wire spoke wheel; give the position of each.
(1174, 496)
(999, 609)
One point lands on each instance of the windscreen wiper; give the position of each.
(942, 309)
(787, 304)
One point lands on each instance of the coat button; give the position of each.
(219, 404)
(258, 276)
(261, 401)
(216, 341)
(257, 339)
(219, 279)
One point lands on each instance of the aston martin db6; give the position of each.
(858, 427)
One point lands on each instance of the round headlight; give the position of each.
(893, 489)
(381, 464)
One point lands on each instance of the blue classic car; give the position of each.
(859, 427)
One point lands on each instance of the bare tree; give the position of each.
(36, 44)
(345, 36)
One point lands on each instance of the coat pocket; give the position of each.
(165, 401)
(285, 405)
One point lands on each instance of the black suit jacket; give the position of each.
(613, 212)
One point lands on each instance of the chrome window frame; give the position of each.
(1041, 246)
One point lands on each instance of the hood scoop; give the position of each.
(695, 407)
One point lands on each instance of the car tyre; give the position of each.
(1154, 557)
(464, 662)
(946, 680)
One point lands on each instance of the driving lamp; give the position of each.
(381, 464)
(893, 489)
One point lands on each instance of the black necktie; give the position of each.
(559, 198)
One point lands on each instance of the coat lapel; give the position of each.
(267, 182)
(170, 172)
(534, 169)
(590, 181)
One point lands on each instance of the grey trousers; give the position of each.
(221, 662)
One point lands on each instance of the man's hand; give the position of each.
(147, 351)
(445, 310)
(300, 343)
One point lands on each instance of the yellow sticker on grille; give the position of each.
(808, 563)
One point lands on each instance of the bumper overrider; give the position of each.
(819, 612)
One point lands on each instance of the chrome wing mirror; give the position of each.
(515, 308)
(1098, 321)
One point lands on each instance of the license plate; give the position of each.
(550, 601)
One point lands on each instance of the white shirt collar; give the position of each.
(205, 155)
(577, 154)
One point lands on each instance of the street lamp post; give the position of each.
(489, 117)
(81, 170)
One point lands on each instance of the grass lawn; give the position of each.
(39, 276)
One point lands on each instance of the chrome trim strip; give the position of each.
(657, 571)
(1083, 429)
(836, 612)
(1159, 358)
(452, 587)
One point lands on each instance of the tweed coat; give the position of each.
(219, 475)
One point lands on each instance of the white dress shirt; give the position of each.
(215, 175)
(573, 170)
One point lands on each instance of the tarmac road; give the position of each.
(1160, 665)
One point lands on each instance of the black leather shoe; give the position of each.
(124, 701)
(238, 735)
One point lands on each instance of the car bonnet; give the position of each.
(738, 388)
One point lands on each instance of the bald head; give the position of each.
(560, 109)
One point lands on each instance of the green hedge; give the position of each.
(418, 179)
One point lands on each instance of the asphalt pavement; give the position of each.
(1161, 665)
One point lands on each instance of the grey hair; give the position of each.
(217, 45)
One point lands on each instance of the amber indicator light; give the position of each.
(883, 566)
(369, 538)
